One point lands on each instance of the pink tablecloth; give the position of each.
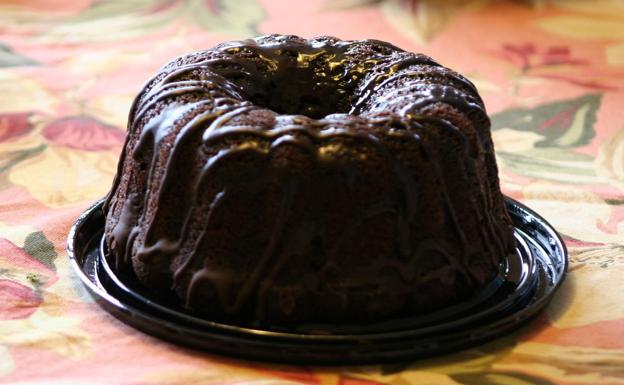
(552, 76)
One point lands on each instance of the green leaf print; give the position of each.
(37, 245)
(235, 18)
(568, 123)
(542, 142)
(8, 58)
(11, 158)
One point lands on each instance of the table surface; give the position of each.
(551, 74)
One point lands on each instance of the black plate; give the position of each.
(524, 286)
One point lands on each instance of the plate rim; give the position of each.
(479, 333)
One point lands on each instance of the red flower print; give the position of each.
(84, 133)
(16, 300)
(14, 125)
(24, 274)
(527, 56)
(17, 264)
(539, 62)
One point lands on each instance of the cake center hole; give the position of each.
(294, 82)
(300, 91)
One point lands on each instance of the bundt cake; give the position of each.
(279, 181)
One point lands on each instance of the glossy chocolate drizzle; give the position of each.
(244, 116)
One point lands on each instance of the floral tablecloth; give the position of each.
(552, 76)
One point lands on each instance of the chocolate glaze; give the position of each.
(285, 120)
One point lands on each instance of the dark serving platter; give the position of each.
(526, 283)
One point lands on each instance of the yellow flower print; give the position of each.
(60, 176)
(20, 93)
(77, 166)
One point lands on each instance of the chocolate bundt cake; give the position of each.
(284, 181)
